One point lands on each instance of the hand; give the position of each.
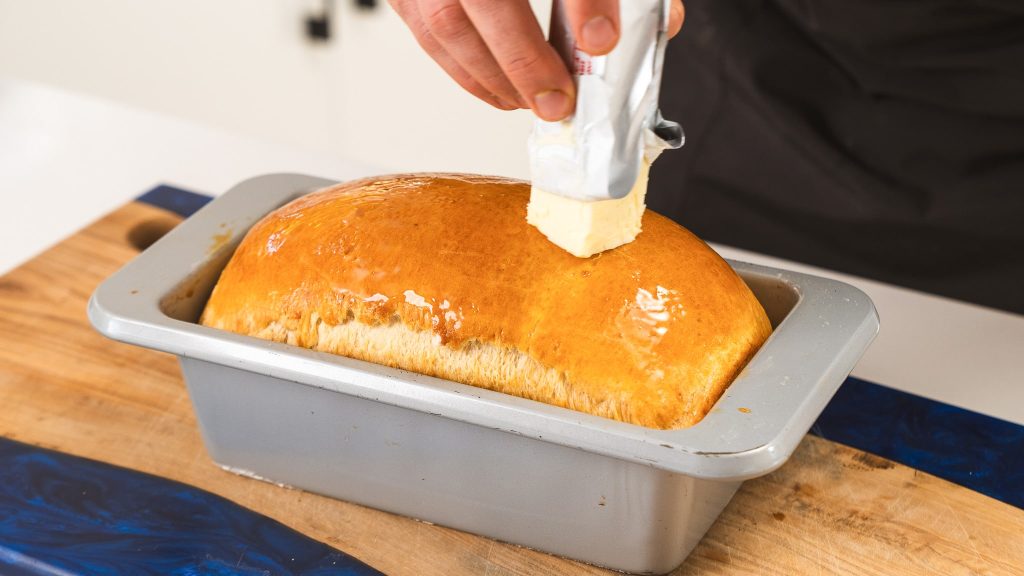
(496, 50)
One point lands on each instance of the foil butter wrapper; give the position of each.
(596, 154)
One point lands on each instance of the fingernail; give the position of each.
(551, 105)
(598, 34)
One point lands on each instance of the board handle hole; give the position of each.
(144, 234)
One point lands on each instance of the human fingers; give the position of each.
(409, 12)
(448, 23)
(511, 32)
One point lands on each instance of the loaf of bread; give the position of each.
(440, 274)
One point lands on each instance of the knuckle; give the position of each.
(485, 7)
(493, 76)
(447, 21)
(466, 81)
(522, 63)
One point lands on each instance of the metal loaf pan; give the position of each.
(605, 492)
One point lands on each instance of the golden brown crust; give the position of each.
(650, 333)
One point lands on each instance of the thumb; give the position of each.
(595, 23)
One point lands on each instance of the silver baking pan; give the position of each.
(605, 492)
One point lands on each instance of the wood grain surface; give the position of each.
(830, 510)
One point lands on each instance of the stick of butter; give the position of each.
(584, 228)
(590, 171)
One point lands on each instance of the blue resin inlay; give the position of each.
(979, 452)
(181, 202)
(65, 515)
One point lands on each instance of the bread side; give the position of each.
(502, 369)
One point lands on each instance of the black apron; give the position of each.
(883, 138)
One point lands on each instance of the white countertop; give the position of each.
(67, 159)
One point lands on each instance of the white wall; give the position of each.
(245, 65)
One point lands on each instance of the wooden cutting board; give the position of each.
(830, 510)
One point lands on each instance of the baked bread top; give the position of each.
(441, 274)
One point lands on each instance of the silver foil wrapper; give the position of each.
(596, 154)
